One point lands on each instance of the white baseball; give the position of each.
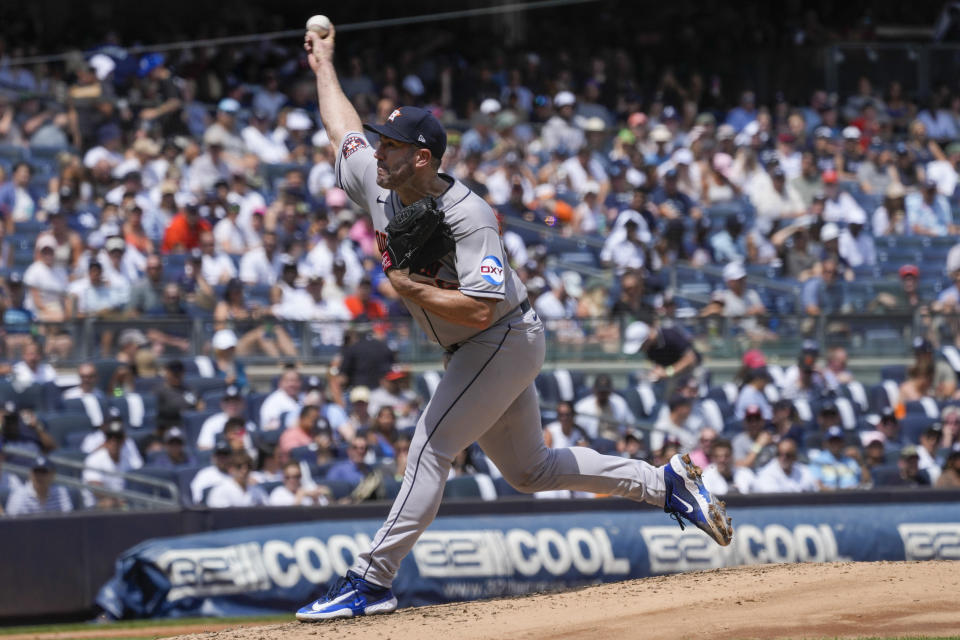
(320, 25)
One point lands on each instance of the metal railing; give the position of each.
(130, 498)
(601, 338)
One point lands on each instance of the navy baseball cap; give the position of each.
(415, 126)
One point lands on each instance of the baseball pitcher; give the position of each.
(443, 254)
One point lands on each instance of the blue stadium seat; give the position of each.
(461, 487)
(58, 425)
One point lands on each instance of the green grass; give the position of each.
(140, 624)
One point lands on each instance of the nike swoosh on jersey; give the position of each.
(379, 201)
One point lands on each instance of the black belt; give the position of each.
(523, 306)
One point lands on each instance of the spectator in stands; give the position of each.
(856, 247)
(20, 427)
(302, 433)
(88, 386)
(8, 481)
(173, 396)
(874, 453)
(631, 304)
(17, 319)
(838, 206)
(628, 252)
(39, 494)
(890, 218)
(17, 203)
(183, 233)
(668, 348)
(293, 491)
(753, 446)
(794, 247)
(262, 265)
(784, 474)
(363, 305)
(382, 433)
(889, 428)
(776, 201)
(740, 302)
(944, 384)
(604, 413)
(211, 475)
(236, 490)
(354, 469)
(824, 294)
(786, 422)
(46, 282)
(827, 417)
(364, 360)
(907, 473)
(97, 438)
(918, 385)
(284, 401)
(232, 405)
(721, 477)
(836, 374)
(928, 212)
(701, 454)
(673, 425)
(950, 421)
(831, 468)
(175, 453)
(31, 369)
(930, 462)
(146, 294)
(906, 299)
(265, 335)
(809, 183)
(217, 268)
(564, 432)
(876, 172)
(950, 476)
(752, 394)
(225, 363)
(103, 467)
(729, 244)
(359, 418)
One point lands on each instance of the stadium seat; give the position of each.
(338, 489)
(58, 425)
(193, 422)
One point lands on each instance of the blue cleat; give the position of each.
(688, 499)
(348, 597)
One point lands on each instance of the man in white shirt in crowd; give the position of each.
(101, 468)
(784, 474)
(217, 268)
(284, 400)
(212, 475)
(673, 424)
(564, 432)
(229, 237)
(232, 405)
(321, 257)
(235, 491)
(96, 440)
(32, 369)
(294, 491)
(839, 205)
(93, 296)
(721, 477)
(262, 265)
(604, 413)
(260, 140)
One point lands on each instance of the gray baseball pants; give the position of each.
(487, 395)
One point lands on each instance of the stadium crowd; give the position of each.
(146, 191)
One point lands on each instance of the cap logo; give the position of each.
(396, 112)
(421, 139)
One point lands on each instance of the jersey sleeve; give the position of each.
(481, 264)
(356, 169)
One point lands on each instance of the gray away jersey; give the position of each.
(478, 266)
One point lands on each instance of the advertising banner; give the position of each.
(279, 568)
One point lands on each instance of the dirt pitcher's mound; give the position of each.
(773, 601)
